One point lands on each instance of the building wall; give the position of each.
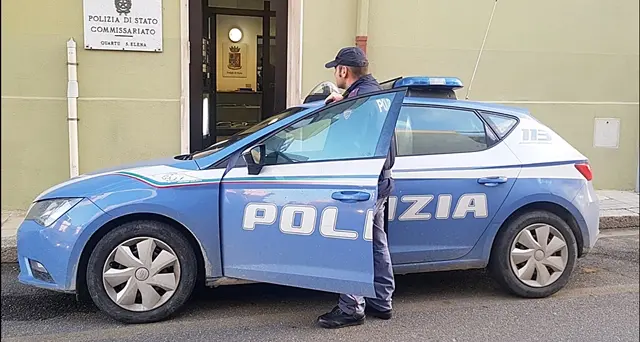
(568, 62)
(327, 26)
(129, 105)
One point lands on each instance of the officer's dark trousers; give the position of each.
(384, 283)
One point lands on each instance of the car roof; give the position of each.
(483, 106)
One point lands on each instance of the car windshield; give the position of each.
(264, 123)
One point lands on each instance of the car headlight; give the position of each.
(47, 212)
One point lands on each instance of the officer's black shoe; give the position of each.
(378, 314)
(336, 318)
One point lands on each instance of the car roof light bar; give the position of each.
(426, 82)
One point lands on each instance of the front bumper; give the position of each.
(56, 248)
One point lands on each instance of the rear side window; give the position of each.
(432, 130)
(502, 124)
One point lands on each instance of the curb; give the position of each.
(10, 255)
(616, 222)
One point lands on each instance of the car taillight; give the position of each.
(585, 170)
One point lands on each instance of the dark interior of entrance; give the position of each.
(237, 66)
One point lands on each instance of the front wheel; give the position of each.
(141, 272)
(534, 255)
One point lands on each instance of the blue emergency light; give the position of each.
(425, 86)
(428, 82)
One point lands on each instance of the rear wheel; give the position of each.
(142, 271)
(534, 255)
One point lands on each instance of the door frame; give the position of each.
(637, 165)
(212, 13)
(191, 34)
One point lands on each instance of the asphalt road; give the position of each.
(599, 304)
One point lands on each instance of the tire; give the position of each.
(504, 271)
(181, 272)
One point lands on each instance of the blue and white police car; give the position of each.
(289, 201)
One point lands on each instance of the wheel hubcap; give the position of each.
(539, 255)
(141, 274)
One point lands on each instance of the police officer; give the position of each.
(351, 72)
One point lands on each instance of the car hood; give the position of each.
(100, 181)
(182, 164)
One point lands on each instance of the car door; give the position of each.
(451, 176)
(302, 215)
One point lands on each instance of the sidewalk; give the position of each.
(11, 220)
(618, 209)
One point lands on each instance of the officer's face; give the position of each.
(340, 74)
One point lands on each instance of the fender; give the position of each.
(482, 249)
(130, 196)
(138, 209)
(209, 248)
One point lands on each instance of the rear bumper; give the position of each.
(586, 201)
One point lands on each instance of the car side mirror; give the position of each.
(254, 158)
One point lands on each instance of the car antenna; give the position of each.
(484, 40)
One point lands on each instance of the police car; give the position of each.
(289, 201)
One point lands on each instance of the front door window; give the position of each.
(347, 130)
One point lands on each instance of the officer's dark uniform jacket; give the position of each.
(368, 84)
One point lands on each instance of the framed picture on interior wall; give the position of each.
(234, 60)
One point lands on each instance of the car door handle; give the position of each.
(492, 181)
(351, 196)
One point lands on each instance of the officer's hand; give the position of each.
(333, 98)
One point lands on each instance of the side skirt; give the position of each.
(453, 265)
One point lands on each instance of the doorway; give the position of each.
(240, 77)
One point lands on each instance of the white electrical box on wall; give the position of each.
(606, 132)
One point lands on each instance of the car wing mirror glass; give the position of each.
(254, 158)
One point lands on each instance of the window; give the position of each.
(348, 130)
(502, 124)
(432, 130)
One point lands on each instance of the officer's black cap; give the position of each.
(351, 56)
